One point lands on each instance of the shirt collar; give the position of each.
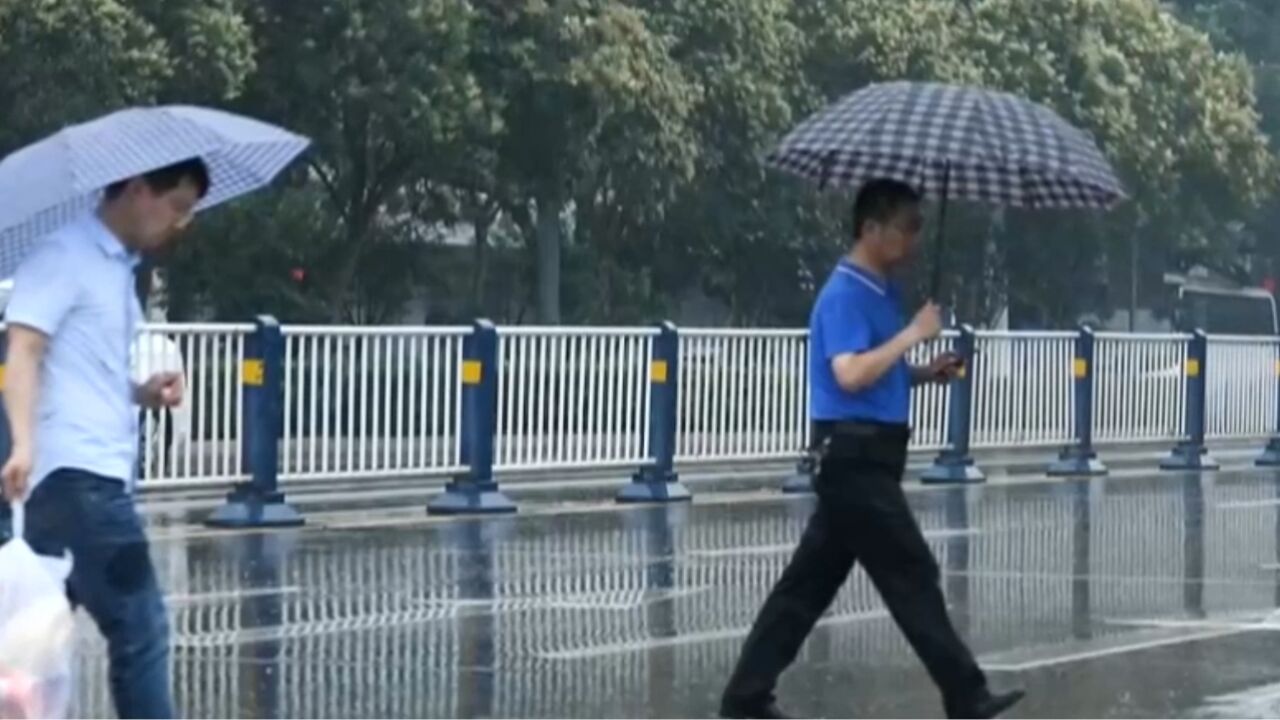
(106, 241)
(877, 284)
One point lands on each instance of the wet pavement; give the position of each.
(1146, 597)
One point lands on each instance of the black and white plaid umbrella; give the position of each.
(953, 143)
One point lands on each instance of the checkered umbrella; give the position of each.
(45, 185)
(952, 142)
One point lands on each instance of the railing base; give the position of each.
(247, 507)
(951, 469)
(801, 481)
(465, 497)
(650, 486)
(1189, 456)
(1270, 457)
(1077, 462)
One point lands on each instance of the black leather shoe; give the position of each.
(746, 711)
(985, 705)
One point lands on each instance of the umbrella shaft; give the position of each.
(935, 282)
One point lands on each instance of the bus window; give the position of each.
(1220, 313)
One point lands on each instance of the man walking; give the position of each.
(860, 391)
(70, 400)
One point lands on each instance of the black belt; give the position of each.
(861, 429)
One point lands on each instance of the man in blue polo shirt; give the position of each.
(861, 393)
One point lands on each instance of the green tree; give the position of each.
(384, 89)
(738, 233)
(1176, 117)
(595, 125)
(68, 61)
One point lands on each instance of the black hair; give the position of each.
(167, 178)
(879, 201)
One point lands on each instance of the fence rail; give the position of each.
(388, 402)
(1140, 394)
(200, 440)
(572, 398)
(1242, 387)
(1023, 394)
(364, 402)
(742, 395)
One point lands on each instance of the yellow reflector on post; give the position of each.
(658, 371)
(1081, 368)
(253, 373)
(472, 372)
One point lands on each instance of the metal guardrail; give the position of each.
(388, 402)
(198, 442)
(371, 402)
(572, 397)
(1140, 392)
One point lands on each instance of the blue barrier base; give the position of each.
(466, 497)
(248, 507)
(801, 481)
(1189, 456)
(1271, 456)
(1077, 462)
(653, 486)
(953, 469)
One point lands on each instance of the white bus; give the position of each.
(1218, 311)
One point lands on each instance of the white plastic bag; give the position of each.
(36, 630)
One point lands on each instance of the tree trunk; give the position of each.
(549, 243)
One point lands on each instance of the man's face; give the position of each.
(896, 239)
(158, 217)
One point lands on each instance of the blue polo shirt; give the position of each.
(856, 312)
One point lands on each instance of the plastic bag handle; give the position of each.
(17, 519)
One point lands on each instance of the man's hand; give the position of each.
(944, 368)
(16, 474)
(927, 324)
(162, 390)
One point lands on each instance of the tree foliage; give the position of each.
(599, 160)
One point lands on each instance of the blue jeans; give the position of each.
(113, 578)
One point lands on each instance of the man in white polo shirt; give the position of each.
(72, 412)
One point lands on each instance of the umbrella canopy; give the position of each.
(56, 180)
(951, 142)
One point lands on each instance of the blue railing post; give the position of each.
(259, 502)
(1271, 455)
(1080, 460)
(658, 481)
(476, 492)
(955, 464)
(1192, 453)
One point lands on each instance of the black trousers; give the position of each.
(862, 516)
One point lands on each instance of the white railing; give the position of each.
(1023, 391)
(1241, 387)
(572, 397)
(387, 402)
(200, 440)
(743, 395)
(1140, 389)
(362, 402)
